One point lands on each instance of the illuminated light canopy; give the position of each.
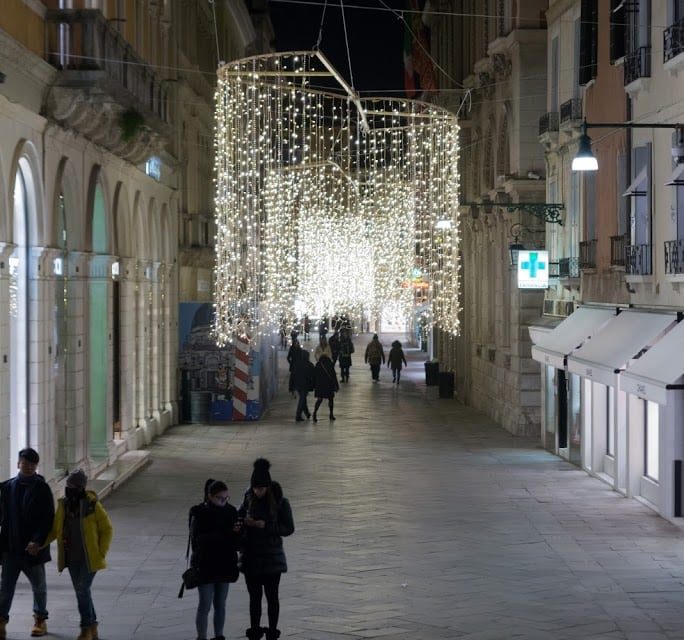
(327, 202)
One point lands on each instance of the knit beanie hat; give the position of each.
(77, 479)
(260, 476)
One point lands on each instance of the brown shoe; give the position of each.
(3, 629)
(86, 633)
(39, 627)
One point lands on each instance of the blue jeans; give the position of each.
(215, 593)
(12, 566)
(82, 579)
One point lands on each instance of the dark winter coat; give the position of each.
(396, 356)
(33, 521)
(375, 354)
(262, 549)
(304, 374)
(346, 350)
(334, 344)
(326, 379)
(214, 543)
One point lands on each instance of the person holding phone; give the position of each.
(267, 519)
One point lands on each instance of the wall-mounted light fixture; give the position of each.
(516, 246)
(585, 160)
(547, 211)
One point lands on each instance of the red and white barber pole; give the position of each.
(241, 379)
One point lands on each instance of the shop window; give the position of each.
(651, 440)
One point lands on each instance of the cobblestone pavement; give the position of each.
(416, 518)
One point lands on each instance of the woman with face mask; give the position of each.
(83, 533)
(214, 538)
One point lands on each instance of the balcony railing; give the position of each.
(587, 257)
(82, 40)
(673, 40)
(638, 260)
(568, 268)
(637, 64)
(674, 256)
(548, 123)
(571, 110)
(617, 250)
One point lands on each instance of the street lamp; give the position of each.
(516, 246)
(585, 160)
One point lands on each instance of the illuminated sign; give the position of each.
(533, 269)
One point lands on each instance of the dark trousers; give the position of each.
(375, 371)
(12, 566)
(301, 404)
(319, 402)
(257, 585)
(396, 374)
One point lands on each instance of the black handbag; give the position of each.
(191, 576)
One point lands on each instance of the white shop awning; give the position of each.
(617, 343)
(553, 348)
(661, 368)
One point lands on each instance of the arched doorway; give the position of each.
(98, 310)
(25, 205)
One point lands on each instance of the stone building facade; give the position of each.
(105, 124)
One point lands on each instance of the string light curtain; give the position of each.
(327, 202)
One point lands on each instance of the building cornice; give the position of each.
(556, 10)
(36, 6)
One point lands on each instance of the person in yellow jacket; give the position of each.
(83, 532)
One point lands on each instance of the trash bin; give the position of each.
(431, 373)
(200, 406)
(446, 384)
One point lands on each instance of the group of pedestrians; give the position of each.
(226, 540)
(321, 377)
(29, 523)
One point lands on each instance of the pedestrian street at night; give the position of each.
(416, 517)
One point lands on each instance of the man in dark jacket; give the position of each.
(303, 380)
(27, 510)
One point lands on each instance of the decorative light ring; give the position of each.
(327, 202)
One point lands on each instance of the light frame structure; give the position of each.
(325, 201)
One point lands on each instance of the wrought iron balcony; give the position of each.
(637, 65)
(673, 40)
(103, 82)
(568, 268)
(587, 259)
(638, 260)
(617, 250)
(548, 123)
(674, 256)
(571, 111)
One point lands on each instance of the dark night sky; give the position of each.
(375, 39)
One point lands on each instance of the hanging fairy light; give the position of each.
(326, 202)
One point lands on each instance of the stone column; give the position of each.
(128, 286)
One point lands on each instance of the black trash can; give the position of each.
(431, 374)
(446, 384)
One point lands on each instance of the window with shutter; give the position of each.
(588, 41)
(618, 30)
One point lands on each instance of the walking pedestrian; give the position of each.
(375, 356)
(323, 348)
(326, 385)
(346, 350)
(83, 532)
(214, 536)
(293, 356)
(395, 359)
(303, 380)
(27, 511)
(267, 519)
(334, 344)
